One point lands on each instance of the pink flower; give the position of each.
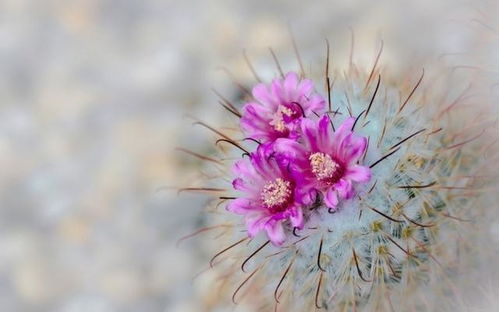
(269, 195)
(278, 108)
(326, 162)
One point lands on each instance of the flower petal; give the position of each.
(344, 188)
(324, 133)
(315, 103)
(296, 217)
(331, 198)
(358, 173)
(241, 206)
(271, 107)
(242, 168)
(341, 133)
(266, 166)
(352, 148)
(255, 121)
(305, 87)
(255, 222)
(261, 93)
(290, 82)
(275, 232)
(309, 129)
(289, 148)
(305, 194)
(238, 185)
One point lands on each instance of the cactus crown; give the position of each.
(355, 202)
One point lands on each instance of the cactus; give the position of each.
(397, 237)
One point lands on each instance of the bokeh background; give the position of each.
(93, 98)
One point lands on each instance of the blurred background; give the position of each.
(93, 98)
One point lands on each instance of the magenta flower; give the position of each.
(269, 195)
(278, 108)
(326, 162)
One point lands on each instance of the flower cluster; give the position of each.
(300, 160)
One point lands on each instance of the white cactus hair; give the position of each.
(406, 242)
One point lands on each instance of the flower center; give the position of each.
(276, 193)
(323, 166)
(278, 121)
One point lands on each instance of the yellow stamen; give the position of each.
(276, 192)
(278, 121)
(323, 166)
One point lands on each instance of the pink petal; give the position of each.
(352, 148)
(242, 168)
(245, 171)
(266, 166)
(289, 148)
(344, 188)
(262, 94)
(255, 222)
(342, 132)
(305, 87)
(257, 109)
(346, 127)
(305, 194)
(240, 206)
(238, 184)
(316, 104)
(275, 232)
(358, 173)
(296, 217)
(249, 188)
(278, 91)
(308, 128)
(291, 81)
(324, 133)
(331, 198)
(255, 120)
